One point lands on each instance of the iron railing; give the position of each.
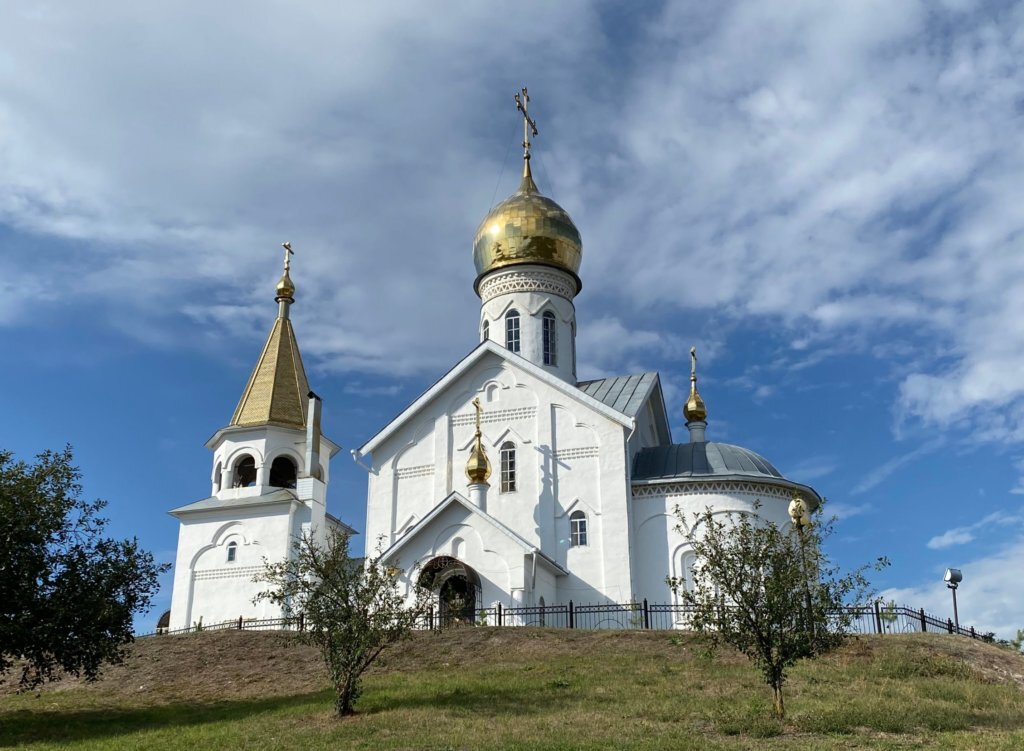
(875, 618)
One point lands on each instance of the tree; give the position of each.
(351, 609)
(68, 593)
(772, 595)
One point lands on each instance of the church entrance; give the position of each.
(456, 589)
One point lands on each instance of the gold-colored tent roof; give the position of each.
(277, 392)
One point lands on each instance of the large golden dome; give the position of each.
(527, 228)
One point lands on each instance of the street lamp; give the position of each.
(953, 578)
(802, 521)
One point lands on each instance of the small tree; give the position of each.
(68, 594)
(352, 608)
(773, 596)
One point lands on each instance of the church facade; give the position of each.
(507, 481)
(583, 481)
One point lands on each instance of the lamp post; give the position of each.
(953, 578)
(802, 521)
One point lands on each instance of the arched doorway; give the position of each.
(456, 588)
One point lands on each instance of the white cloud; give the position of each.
(848, 174)
(963, 535)
(879, 474)
(846, 510)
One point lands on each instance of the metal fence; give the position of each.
(876, 618)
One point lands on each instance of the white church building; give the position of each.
(508, 481)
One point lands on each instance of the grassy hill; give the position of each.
(487, 688)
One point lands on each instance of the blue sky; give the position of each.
(824, 197)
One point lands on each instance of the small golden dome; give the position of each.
(478, 468)
(285, 288)
(694, 410)
(527, 228)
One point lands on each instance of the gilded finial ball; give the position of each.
(285, 289)
(695, 410)
(478, 468)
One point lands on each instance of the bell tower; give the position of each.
(268, 485)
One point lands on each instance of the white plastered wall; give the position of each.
(660, 534)
(532, 291)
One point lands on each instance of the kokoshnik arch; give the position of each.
(579, 505)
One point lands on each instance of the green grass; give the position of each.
(532, 689)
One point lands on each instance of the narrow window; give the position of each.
(217, 477)
(550, 357)
(577, 529)
(487, 331)
(508, 467)
(512, 331)
(283, 473)
(245, 472)
(232, 551)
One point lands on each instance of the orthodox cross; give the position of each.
(693, 363)
(479, 410)
(523, 105)
(287, 253)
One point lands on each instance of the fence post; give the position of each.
(239, 623)
(949, 625)
(500, 623)
(973, 635)
(878, 618)
(572, 618)
(430, 618)
(302, 621)
(647, 615)
(924, 623)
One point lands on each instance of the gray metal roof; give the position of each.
(704, 459)
(622, 393)
(275, 496)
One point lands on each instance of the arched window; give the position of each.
(283, 473)
(508, 467)
(486, 332)
(577, 529)
(245, 472)
(232, 551)
(550, 356)
(217, 478)
(512, 331)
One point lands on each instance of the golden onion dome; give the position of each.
(694, 410)
(285, 289)
(478, 468)
(527, 227)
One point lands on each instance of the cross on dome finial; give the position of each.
(694, 410)
(285, 291)
(478, 468)
(479, 411)
(529, 125)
